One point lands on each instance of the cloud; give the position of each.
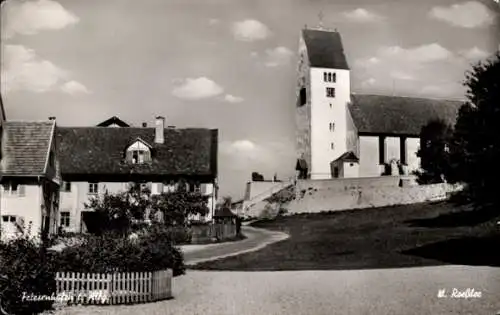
(474, 54)
(362, 16)
(400, 75)
(278, 56)
(470, 14)
(250, 30)
(197, 89)
(74, 87)
(30, 17)
(368, 82)
(421, 54)
(214, 21)
(442, 90)
(233, 99)
(254, 54)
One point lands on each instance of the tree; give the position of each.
(256, 177)
(435, 139)
(129, 210)
(475, 149)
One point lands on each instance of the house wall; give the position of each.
(322, 114)
(350, 169)
(74, 201)
(27, 206)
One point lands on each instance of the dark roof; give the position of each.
(378, 114)
(25, 147)
(224, 213)
(325, 49)
(348, 157)
(113, 120)
(101, 151)
(301, 165)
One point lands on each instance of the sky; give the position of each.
(227, 64)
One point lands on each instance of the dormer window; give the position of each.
(139, 152)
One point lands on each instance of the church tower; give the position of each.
(323, 93)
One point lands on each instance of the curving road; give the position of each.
(256, 239)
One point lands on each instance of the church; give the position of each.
(343, 134)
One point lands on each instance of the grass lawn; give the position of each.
(403, 236)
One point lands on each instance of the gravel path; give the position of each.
(409, 291)
(255, 239)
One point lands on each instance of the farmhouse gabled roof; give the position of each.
(396, 115)
(101, 151)
(325, 49)
(26, 147)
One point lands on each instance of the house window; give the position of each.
(138, 157)
(66, 186)
(330, 92)
(303, 96)
(93, 188)
(65, 218)
(9, 218)
(14, 189)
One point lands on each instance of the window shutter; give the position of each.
(21, 190)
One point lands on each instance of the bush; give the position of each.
(29, 270)
(112, 252)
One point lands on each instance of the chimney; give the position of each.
(52, 118)
(159, 129)
(144, 125)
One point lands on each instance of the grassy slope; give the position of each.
(374, 238)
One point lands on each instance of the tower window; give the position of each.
(332, 126)
(325, 76)
(329, 77)
(303, 98)
(330, 92)
(332, 146)
(334, 77)
(330, 105)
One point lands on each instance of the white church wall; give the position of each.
(368, 156)
(412, 146)
(326, 110)
(392, 146)
(352, 140)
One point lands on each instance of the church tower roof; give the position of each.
(324, 48)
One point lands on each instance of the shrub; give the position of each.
(29, 270)
(112, 252)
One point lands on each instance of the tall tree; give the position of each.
(435, 138)
(475, 151)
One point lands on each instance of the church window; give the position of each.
(330, 105)
(334, 77)
(332, 146)
(332, 126)
(330, 92)
(330, 77)
(303, 98)
(325, 76)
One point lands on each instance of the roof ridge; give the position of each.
(30, 121)
(409, 96)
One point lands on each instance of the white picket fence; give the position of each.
(113, 288)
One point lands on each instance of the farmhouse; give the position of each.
(30, 178)
(112, 155)
(343, 134)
